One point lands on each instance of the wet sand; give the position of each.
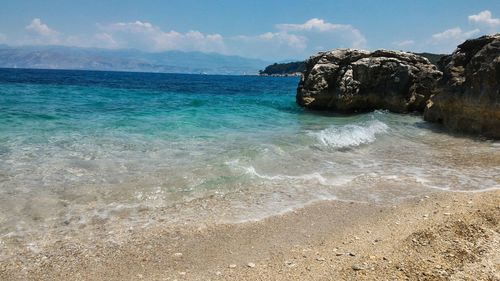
(440, 236)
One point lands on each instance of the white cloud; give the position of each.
(448, 40)
(269, 45)
(404, 43)
(279, 38)
(454, 34)
(301, 40)
(284, 41)
(146, 36)
(41, 33)
(345, 31)
(40, 28)
(313, 24)
(484, 18)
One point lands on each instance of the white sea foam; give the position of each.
(350, 135)
(315, 177)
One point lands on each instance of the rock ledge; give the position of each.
(468, 95)
(351, 80)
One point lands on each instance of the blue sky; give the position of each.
(270, 30)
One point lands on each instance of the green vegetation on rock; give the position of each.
(289, 68)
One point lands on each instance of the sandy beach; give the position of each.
(249, 140)
(439, 236)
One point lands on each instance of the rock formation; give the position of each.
(349, 80)
(468, 95)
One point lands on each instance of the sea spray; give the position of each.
(351, 135)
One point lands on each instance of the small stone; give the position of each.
(232, 265)
(251, 264)
(373, 257)
(426, 196)
(425, 216)
(339, 254)
(182, 273)
(357, 267)
(177, 255)
(320, 259)
(352, 254)
(218, 273)
(447, 214)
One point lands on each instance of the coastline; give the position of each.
(439, 236)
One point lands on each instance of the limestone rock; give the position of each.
(468, 95)
(350, 80)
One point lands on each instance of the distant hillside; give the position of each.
(290, 68)
(284, 68)
(433, 58)
(59, 57)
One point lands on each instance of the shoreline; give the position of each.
(439, 236)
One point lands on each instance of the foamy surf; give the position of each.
(311, 177)
(350, 135)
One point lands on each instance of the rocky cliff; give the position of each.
(349, 80)
(468, 95)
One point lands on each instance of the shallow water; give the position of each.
(76, 146)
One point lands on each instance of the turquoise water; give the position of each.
(77, 145)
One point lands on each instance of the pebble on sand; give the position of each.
(357, 267)
(251, 264)
(232, 265)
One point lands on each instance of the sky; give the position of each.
(271, 30)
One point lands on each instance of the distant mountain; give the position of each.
(60, 57)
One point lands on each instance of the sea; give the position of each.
(82, 150)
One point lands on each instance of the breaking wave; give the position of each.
(350, 135)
